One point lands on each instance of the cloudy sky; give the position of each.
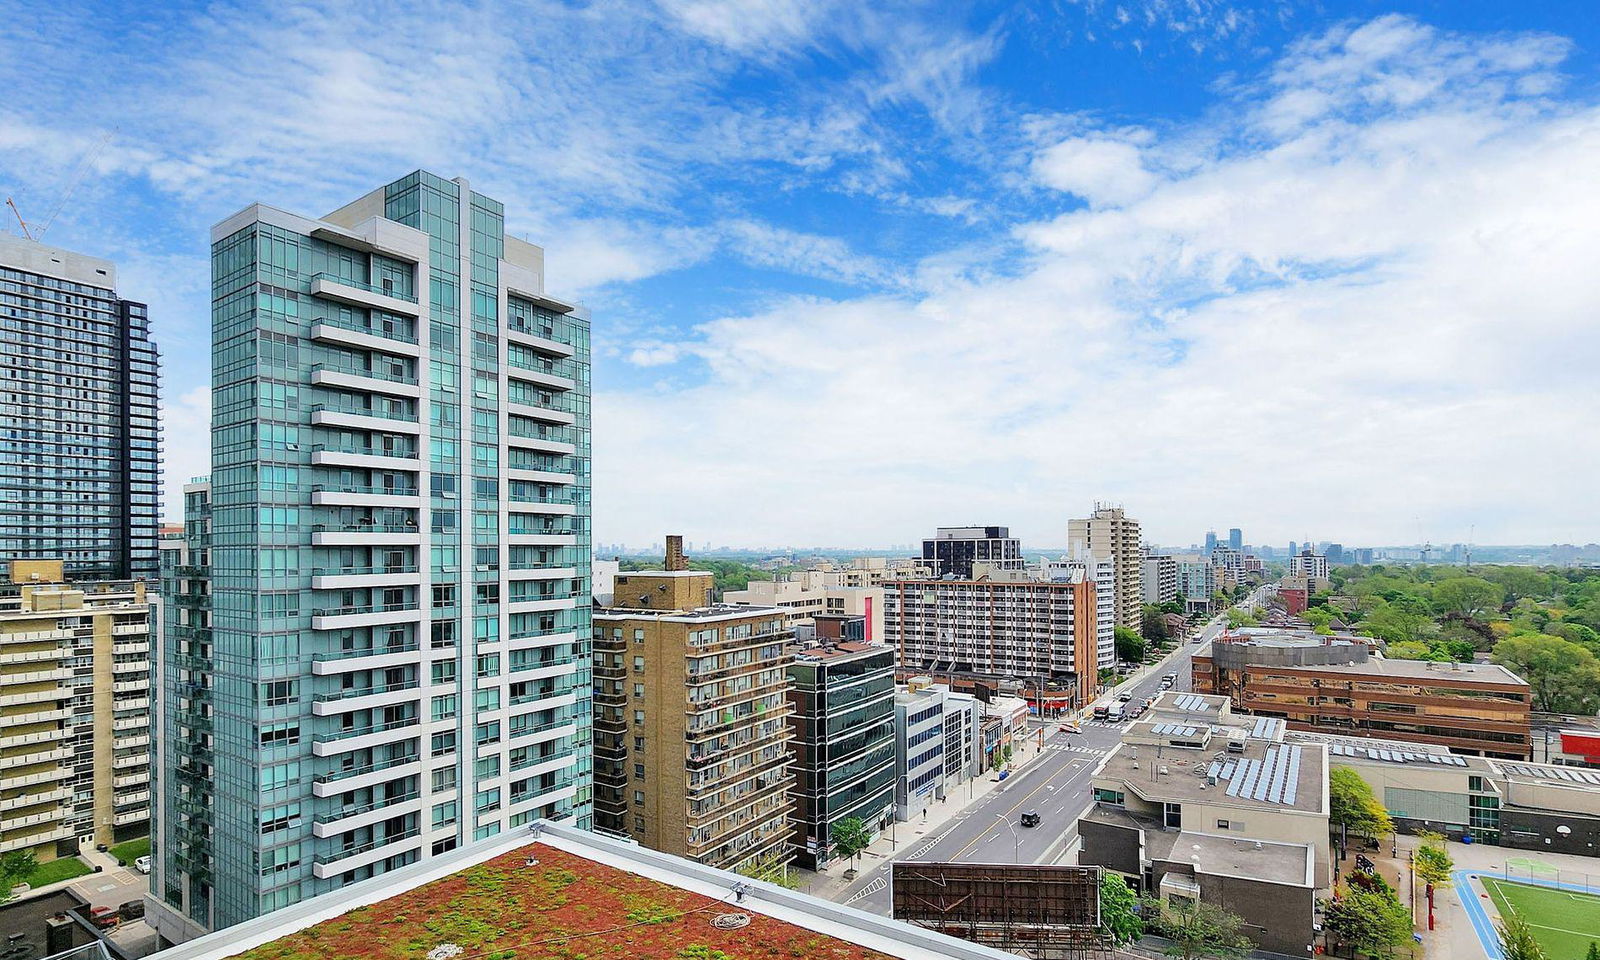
(858, 269)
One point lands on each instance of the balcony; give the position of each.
(535, 475)
(43, 736)
(53, 755)
(548, 441)
(54, 795)
(130, 666)
(345, 578)
(550, 414)
(366, 339)
(34, 656)
(32, 820)
(131, 779)
(363, 698)
(367, 381)
(538, 341)
(365, 534)
(543, 573)
(545, 379)
(365, 458)
(359, 294)
(361, 855)
(365, 658)
(34, 676)
(361, 738)
(366, 814)
(29, 779)
(122, 818)
(17, 843)
(366, 615)
(355, 419)
(368, 775)
(131, 723)
(13, 719)
(529, 641)
(535, 539)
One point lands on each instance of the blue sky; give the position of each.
(1311, 269)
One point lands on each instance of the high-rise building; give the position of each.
(692, 730)
(953, 550)
(80, 471)
(396, 660)
(1004, 624)
(1108, 532)
(74, 710)
(1236, 538)
(1159, 580)
(1308, 563)
(1211, 541)
(843, 721)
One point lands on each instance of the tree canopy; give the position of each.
(1119, 910)
(1196, 929)
(1130, 646)
(1564, 676)
(1353, 805)
(1371, 920)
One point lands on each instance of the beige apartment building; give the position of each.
(814, 593)
(74, 710)
(1109, 533)
(691, 721)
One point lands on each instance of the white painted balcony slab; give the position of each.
(331, 289)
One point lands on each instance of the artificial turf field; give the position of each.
(1563, 920)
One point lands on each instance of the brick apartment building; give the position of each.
(1339, 685)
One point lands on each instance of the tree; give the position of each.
(1521, 582)
(1196, 929)
(1373, 921)
(1353, 806)
(1594, 951)
(15, 867)
(1130, 646)
(1564, 676)
(1119, 910)
(1238, 618)
(850, 836)
(1396, 623)
(1153, 625)
(1433, 865)
(1468, 596)
(1408, 650)
(1517, 941)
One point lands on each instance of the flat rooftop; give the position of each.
(568, 893)
(848, 650)
(1422, 670)
(1264, 775)
(698, 614)
(1291, 864)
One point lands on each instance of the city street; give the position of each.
(1056, 786)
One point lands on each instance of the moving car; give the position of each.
(1030, 818)
(142, 864)
(1125, 696)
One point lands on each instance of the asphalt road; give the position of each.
(1055, 786)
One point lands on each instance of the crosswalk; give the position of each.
(1070, 748)
(877, 884)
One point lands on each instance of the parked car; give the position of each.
(142, 864)
(104, 917)
(1030, 818)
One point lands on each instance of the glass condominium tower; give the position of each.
(397, 573)
(79, 441)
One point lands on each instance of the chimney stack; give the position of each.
(675, 557)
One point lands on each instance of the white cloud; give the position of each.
(1377, 321)
(1105, 172)
(185, 446)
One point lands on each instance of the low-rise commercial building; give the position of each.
(691, 714)
(1339, 684)
(919, 747)
(844, 743)
(1196, 803)
(74, 710)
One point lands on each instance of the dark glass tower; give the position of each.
(79, 442)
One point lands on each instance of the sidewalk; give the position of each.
(904, 838)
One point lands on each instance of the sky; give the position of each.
(1317, 270)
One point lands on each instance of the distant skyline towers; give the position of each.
(80, 455)
(398, 556)
(1211, 541)
(1236, 538)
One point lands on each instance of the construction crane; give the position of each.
(36, 232)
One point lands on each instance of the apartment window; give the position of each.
(279, 693)
(444, 814)
(638, 798)
(444, 595)
(638, 691)
(638, 635)
(486, 700)
(488, 800)
(487, 767)
(444, 671)
(488, 732)
(444, 707)
(638, 718)
(280, 734)
(638, 744)
(489, 665)
(444, 742)
(638, 771)
(638, 664)
(638, 824)
(444, 778)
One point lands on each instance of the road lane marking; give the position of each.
(877, 884)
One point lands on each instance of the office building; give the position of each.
(1197, 583)
(398, 573)
(74, 710)
(1197, 803)
(1159, 579)
(1211, 542)
(1109, 533)
(953, 550)
(1339, 685)
(919, 747)
(1005, 624)
(1309, 563)
(844, 747)
(692, 729)
(80, 464)
(574, 890)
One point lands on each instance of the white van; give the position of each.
(1115, 713)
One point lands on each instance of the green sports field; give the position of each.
(1563, 920)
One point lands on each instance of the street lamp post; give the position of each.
(1016, 840)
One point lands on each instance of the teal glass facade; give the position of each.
(398, 658)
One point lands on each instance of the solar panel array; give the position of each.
(1397, 756)
(1177, 730)
(1274, 778)
(1190, 701)
(1563, 775)
(1267, 728)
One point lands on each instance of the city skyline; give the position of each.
(1158, 235)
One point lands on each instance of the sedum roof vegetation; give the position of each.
(565, 907)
